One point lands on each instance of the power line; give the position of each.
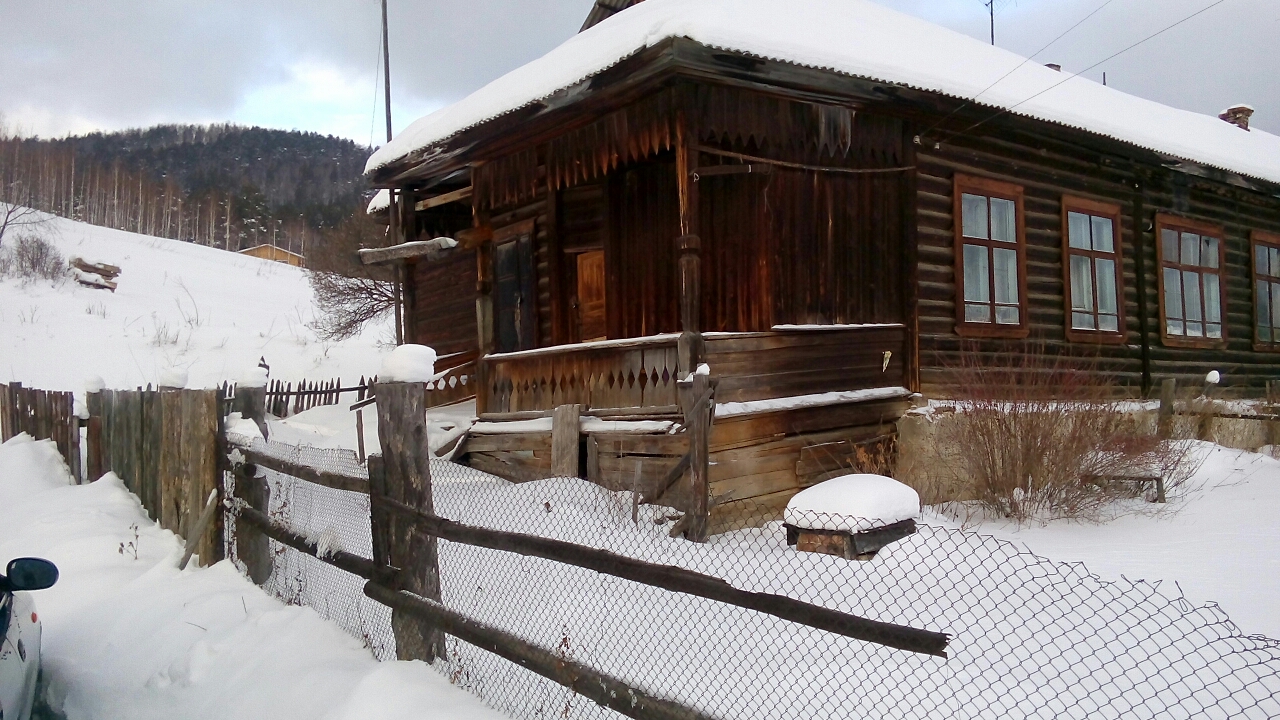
(377, 75)
(1072, 77)
(1026, 60)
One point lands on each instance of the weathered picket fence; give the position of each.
(44, 415)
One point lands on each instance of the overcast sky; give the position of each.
(73, 66)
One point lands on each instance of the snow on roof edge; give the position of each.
(859, 39)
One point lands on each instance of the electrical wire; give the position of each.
(1026, 60)
(377, 75)
(1011, 108)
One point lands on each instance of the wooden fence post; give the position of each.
(565, 432)
(696, 399)
(251, 403)
(402, 434)
(93, 437)
(5, 433)
(252, 547)
(1164, 422)
(72, 422)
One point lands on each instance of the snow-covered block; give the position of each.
(852, 516)
(409, 363)
(254, 377)
(173, 377)
(94, 383)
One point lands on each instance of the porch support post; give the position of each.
(690, 247)
(690, 348)
(484, 317)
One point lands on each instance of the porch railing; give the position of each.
(641, 372)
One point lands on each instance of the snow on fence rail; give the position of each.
(1029, 637)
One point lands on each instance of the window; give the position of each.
(1266, 290)
(1191, 294)
(991, 284)
(1091, 260)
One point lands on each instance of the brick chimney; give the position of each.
(1237, 115)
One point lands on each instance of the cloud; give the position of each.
(75, 65)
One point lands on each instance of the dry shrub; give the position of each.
(31, 257)
(349, 295)
(1041, 438)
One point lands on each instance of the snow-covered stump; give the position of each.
(852, 516)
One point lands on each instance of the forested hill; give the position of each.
(296, 173)
(223, 185)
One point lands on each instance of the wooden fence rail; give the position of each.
(44, 415)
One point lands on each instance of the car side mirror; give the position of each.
(30, 574)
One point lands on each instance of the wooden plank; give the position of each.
(728, 469)
(174, 502)
(637, 444)
(744, 487)
(510, 466)
(565, 431)
(443, 199)
(508, 442)
(306, 472)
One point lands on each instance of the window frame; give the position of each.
(1265, 239)
(1096, 208)
(1005, 191)
(1181, 224)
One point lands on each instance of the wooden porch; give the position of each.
(790, 408)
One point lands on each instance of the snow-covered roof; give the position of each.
(381, 201)
(862, 39)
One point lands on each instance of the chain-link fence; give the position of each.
(1029, 637)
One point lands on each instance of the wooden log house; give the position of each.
(828, 241)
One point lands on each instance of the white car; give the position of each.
(20, 634)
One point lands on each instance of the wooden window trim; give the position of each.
(1096, 208)
(1266, 239)
(1005, 191)
(1174, 222)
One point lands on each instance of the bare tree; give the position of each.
(13, 217)
(349, 294)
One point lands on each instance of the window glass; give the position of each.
(1003, 221)
(1212, 306)
(1078, 231)
(1275, 311)
(1081, 284)
(1006, 276)
(1264, 311)
(1106, 271)
(974, 210)
(1275, 261)
(1260, 255)
(1103, 234)
(1173, 298)
(1209, 252)
(1169, 242)
(1007, 314)
(976, 274)
(1109, 323)
(1190, 249)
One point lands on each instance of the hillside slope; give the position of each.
(178, 305)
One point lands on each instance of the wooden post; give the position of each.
(484, 324)
(5, 433)
(93, 454)
(402, 434)
(565, 426)
(251, 403)
(696, 398)
(72, 423)
(252, 546)
(1165, 419)
(360, 391)
(690, 345)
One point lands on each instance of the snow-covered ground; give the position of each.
(1219, 540)
(179, 305)
(126, 635)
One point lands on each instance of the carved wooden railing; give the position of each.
(639, 372)
(455, 380)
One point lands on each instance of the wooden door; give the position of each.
(591, 295)
(515, 298)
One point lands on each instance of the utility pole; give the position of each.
(991, 8)
(393, 226)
